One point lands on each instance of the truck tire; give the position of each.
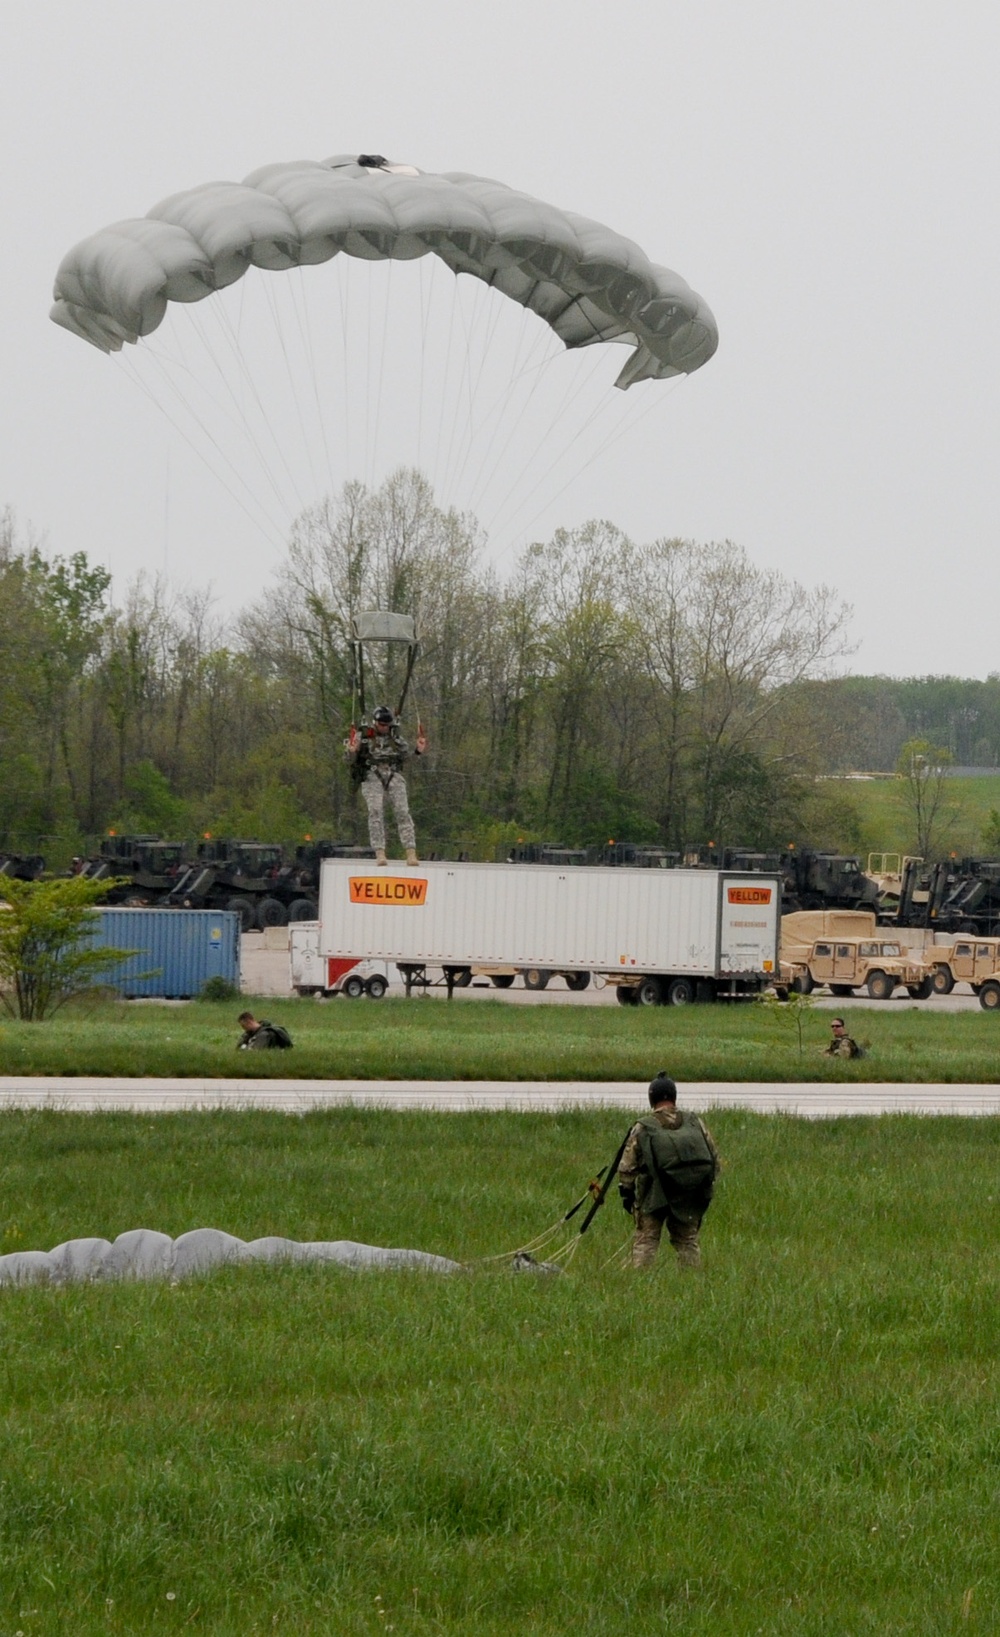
(881, 986)
(989, 996)
(302, 909)
(680, 992)
(376, 986)
(246, 909)
(501, 980)
(536, 977)
(802, 983)
(650, 993)
(577, 981)
(942, 982)
(353, 987)
(626, 994)
(920, 991)
(271, 912)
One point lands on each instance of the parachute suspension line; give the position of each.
(165, 366)
(464, 424)
(444, 387)
(267, 528)
(235, 414)
(387, 295)
(342, 274)
(539, 372)
(477, 419)
(637, 414)
(230, 336)
(519, 373)
(575, 389)
(292, 382)
(306, 331)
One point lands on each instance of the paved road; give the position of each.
(88, 1095)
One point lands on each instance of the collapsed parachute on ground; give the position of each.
(588, 283)
(143, 1253)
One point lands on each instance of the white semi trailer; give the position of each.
(670, 936)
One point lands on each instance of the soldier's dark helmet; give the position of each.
(662, 1089)
(383, 714)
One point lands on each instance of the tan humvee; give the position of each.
(969, 960)
(846, 964)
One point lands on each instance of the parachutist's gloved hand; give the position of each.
(627, 1196)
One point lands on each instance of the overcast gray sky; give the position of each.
(824, 175)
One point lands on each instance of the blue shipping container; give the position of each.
(178, 950)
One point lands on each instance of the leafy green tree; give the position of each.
(922, 769)
(46, 954)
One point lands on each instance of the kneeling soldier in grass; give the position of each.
(262, 1036)
(666, 1176)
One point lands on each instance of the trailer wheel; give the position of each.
(536, 977)
(626, 994)
(302, 909)
(920, 991)
(880, 985)
(680, 992)
(353, 987)
(271, 912)
(577, 981)
(942, 981)
(460, 976)
(650, 993)
(376, 986)
(501, 980)
(246, 909)
(989, 996)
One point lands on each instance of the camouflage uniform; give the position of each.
(682, 1214)
(842, 1046)
(383, 757)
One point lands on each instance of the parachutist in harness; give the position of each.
(377, 750)
(377, 755)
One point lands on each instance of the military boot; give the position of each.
(380, 857)
(411, 856)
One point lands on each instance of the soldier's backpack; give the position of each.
(270, 1035)
(679, 1161)
(280, 1036)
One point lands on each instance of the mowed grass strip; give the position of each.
(801, 1438)
(492, 1040)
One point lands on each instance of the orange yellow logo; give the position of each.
(387, 889)
(749, 895)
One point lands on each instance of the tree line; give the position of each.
(602, 688)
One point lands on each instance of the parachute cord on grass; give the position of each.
(529, 1249)
(619, 1256)
(268, 529)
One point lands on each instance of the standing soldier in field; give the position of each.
(666, 1176)
(376, 756)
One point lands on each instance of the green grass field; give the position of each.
(483, 1039)
(884, 826)
(801, 1438)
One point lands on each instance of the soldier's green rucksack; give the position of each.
(679, 1161)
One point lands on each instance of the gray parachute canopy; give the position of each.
(587, 282)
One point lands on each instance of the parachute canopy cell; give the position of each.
(587, 282)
